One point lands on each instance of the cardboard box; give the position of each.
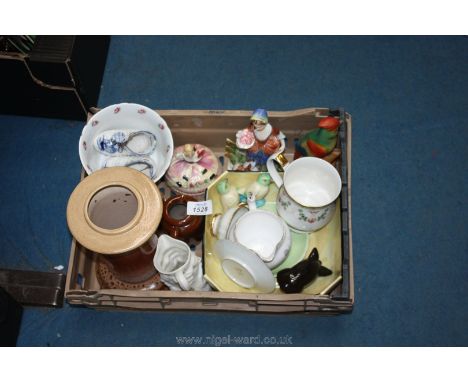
(211, 128)
(60, 78)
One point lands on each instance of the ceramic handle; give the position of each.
(184, 284)
(282, 161)
(213, 223)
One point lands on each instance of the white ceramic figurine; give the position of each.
(229, 195)
(260, 187)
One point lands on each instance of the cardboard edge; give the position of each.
(72, 259)
(350, 230)
(318, 111)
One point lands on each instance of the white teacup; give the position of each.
(178, 266)
(308, 191)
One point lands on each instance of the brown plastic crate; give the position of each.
(212, 127)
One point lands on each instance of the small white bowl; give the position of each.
(261, 231)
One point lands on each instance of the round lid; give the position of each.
(193, 168)
(114, 210)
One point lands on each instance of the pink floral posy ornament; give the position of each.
(245, 139)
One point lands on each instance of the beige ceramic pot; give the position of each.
(115, 212)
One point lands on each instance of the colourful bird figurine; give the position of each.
(319, 141)
(229, 195)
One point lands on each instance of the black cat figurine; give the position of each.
(293, 280)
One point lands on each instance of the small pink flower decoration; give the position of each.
(245, 139)
(95, 122)
(161, 126)
(141, 111)
(116, 110)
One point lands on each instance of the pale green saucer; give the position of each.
(298, 251)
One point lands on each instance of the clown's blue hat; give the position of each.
(260, 115)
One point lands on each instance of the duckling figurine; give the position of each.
(258, 189)
(320, 141)
(229, 195)
(261, 186)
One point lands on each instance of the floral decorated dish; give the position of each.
(128, 135)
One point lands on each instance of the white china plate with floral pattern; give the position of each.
(128, 119)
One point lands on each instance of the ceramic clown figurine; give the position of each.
(260, 140)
